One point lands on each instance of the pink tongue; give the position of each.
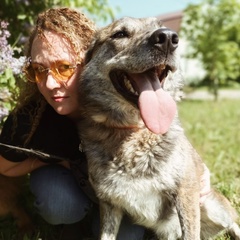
(157, 107)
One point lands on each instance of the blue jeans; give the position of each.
(59, 200)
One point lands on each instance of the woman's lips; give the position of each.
(59, 98)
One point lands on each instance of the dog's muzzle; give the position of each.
(165, 39)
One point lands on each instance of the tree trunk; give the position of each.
(215, 89)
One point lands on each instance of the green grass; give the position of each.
(213, 128)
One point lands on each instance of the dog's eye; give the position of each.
(120, 34)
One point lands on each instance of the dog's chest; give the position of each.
(140, 197)
(138, 155)
(134, 172)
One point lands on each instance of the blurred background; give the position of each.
(209, 33)
(208, 29)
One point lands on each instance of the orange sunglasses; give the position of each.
(61, 71)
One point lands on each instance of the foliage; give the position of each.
(212, 30)
(21, 14)
(9, 66)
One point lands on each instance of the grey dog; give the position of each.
(140, 162)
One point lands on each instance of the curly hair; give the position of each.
(74, 27)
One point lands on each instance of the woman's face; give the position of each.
(61, 95)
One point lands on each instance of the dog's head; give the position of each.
(128, 61)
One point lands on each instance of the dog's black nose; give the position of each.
(165, 39)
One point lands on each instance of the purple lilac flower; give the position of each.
(17, 64)
(7, 60)
(4, 94)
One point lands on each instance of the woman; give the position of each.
(43, 120)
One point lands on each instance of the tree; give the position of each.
(212, 30)
(21, 14)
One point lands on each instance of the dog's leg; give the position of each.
(187, 204)
(234, 231)
(217, 215)
(110, 221)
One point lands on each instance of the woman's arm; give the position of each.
(15, 169)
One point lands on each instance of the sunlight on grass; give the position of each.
(213, 128)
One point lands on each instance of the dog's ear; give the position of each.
(90, 52)
(95, 44)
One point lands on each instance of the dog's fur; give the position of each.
(152, 177)
(11, 189)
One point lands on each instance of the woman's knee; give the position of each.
(58, 198)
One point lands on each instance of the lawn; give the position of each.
(213, 129)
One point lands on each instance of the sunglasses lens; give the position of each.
(40, 76)
(38, 72)
(65, 70)
(61, 71)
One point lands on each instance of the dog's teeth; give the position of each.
(129, 86)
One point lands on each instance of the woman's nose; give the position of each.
(51, 82)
